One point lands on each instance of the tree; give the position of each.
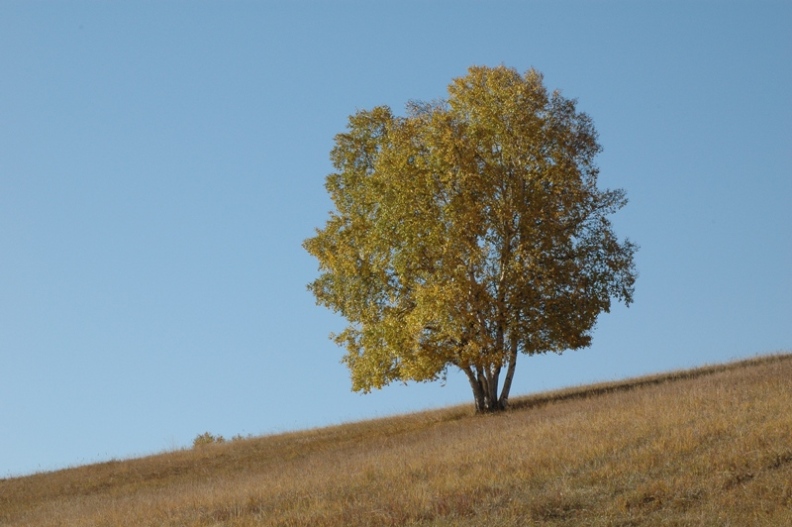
(467, 232)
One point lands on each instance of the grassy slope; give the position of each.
(705, 447)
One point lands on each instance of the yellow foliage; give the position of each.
(468, 231)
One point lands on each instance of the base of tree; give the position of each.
(499, 406)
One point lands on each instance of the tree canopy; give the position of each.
(466, 232)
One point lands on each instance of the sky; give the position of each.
(162, 162)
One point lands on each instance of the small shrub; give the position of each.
(207, 439)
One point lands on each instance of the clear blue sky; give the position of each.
(161, 163)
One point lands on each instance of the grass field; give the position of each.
(711, 446)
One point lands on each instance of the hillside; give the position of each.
(711, 446)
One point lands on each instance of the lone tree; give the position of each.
(467, 232)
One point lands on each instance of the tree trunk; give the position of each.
(493, 375)
(484, 383)
(507, 382)
(478, 390)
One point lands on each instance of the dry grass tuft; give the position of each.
(711, 446)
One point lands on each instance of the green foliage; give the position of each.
(466, 232)
(206, 438)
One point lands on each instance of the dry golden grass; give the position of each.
(711, 446)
